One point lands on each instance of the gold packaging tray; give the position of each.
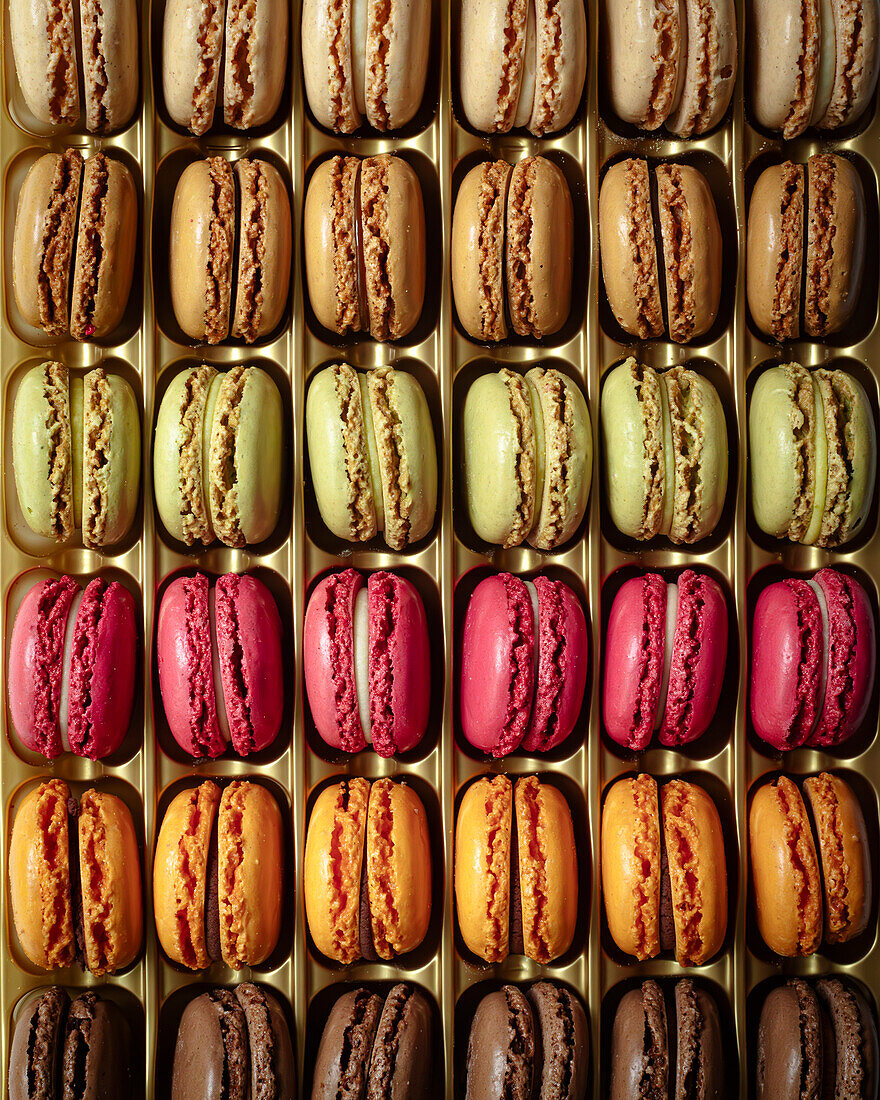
(150, 769)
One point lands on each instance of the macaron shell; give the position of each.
(328, 660)
(110, 875)
(786, 664)
(785, 871)
(634, 656)
(548, 870)
(332, 868)
(774, 250)
(102, 670)
(39, 876)
(255, 60)
(697, 871)
(343, 1059)
(37, 1040)
(110, 32)
(856, 32)
(179, 874)
(640, 1046)
(644, 46)
(630, 864)
(497, 674)
(786, 50)
(854, 1034)
(41, 451)
(332, 263)
(210, 1056)
(699, 1046)
(191, 48)
(479, 220)
(401, 1061)
(271, 1049)
(111, 458)
(44, 48)
(97, 1049)
(501, 1047)
(561, 66)
(327, 65)
(710, 70)
(250, 855)
(563, 1038)
(492, 45)
(482, 866)
(398, 38)
(789, 1055)
(699, 656)
(839, 828)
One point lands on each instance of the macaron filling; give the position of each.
(669, 638)
(66, 662)
(825, 660)
(219, 698)
(361, 645)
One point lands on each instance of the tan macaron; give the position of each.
(512, 247)
(522, 65)
(367, 871)
(364, 242)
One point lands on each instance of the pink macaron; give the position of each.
(367, 663)
(220, 670)
(813, 658)
(72, 667)
(665, 654)
(523, 664)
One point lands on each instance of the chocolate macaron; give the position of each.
(562, 1042)
(501, 1047)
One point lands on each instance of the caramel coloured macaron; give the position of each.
(364, 243)
(775, 249)
(785, 870)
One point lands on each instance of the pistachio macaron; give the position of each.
(665, 452)
(212, 298)
(512, 248)
(76, 454)
(74, 244)
(372, 454)
(218, 456)
(528, 457)
(812, 455)
(820, 262)
(686, 237)
(364, 243)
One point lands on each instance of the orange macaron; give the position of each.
(218, 875)
(367, 870)
(60, 851)
(516, 872)
(664, 871)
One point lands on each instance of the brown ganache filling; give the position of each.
(379, 35)
(678, 253)
(805, 81)
(341, 87)
(511, 64)
(345, 173)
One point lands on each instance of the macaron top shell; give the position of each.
(645, 48)
(855, 1050)
(211, 1054)
(563, 1038)
(273, 1067)
(483, 832)
(790, 1056)
(401, 1061)
(774, 250)
(710, 70)
(97, 1050)
(699, 1063)
(501, 1047)
(640, 1045)
(342, 1065)
(37, 1044)
(857, 28)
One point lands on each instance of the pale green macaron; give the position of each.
(812, 455)
(76, 454)
(218, 456)
(665, 452)
(372, 454)
(528, 457)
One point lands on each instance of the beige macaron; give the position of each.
(512, 247)
(365, 60)
(522, 65)
(364, 243)
(254, 61)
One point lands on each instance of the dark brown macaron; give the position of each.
(211, 1055)
(96, 1061)
(790, 1041)
(699, 1052)
(501, 1048)
(562, 1043)
(401, 1065)
(37, 1041)
(273, 1069)
(343, 1062)
(640, 1046)
(851, 1054)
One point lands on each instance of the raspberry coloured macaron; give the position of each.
(72, 667)
(813, 658)
(367, 662)
(665, 654)
(523, 664)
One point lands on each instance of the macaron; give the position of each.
(666, 452)
(660, 1051)
(364, 245)
(248, 40)
(75, 880)
(671, 64)
(365, 63)
(521, 65)
(516, 870)
(72, 663)
(665, 655)
(813, 455)
(813, 661)
(218, 876)
(372, 454)
(376, 1050)
(528, 457)
(664, 870)
(218, 650)
(512, 248)
(686, 236)
(785, 870)
(367, 662)
(812, 64)
(851, 1045)
(501, 1047)
(74, 243)
(76, 454)
(562, 1042)
(218, 214)
(78, 1049)
(54, 41)
(218, 456)
(234, 1042)
(818, 260)
(367, 871)
(524, 658)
